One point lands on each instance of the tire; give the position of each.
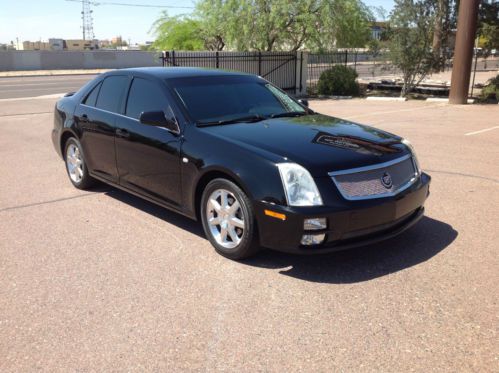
(76, 166)
(230, 226)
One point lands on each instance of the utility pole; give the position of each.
(87, 20)
(463, 52)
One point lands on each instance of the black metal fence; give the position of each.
(296, 72)
(369, 66)
(281, 68)
(365, 64)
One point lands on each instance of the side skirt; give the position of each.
(147, 198)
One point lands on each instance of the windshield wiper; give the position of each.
(247, 119)
(288, 114)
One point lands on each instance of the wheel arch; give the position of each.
(65, 136)
(212, 174)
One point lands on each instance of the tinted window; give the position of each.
(220, 98)
(92, 96)
(145, 96)
(111, 92)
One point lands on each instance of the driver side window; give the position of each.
(146, 96)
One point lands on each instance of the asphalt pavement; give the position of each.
(33, 86)
(103, 281)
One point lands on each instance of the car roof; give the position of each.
(179, 72)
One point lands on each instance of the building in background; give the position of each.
(59, 44)
(56, 44)
(7, 47)
(117, 40)
(378, 28)
(80, 44)
(105, 44)
(36, 45)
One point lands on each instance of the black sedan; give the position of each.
(256, 166)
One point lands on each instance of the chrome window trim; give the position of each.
(177, 132)
(375, 167)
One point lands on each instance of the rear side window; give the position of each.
(111, 92)
(145, 96)
(92, 96)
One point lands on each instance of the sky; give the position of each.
(43, 19)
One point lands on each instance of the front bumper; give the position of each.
(349, 224)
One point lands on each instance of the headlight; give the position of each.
(299, 186)
(413, 152)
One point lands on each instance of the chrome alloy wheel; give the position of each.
(74, 163)
(225, 218)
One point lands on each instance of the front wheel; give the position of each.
(228, 219)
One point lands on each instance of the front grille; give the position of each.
(377, 181)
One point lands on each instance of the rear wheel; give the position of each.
(75, 165)
(228, 219)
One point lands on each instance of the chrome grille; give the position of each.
(367, 182)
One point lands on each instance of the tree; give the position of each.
(181, 33)
(263, 25)
(374, 47)
(489, 38)
(412, 24)
(268, 25)
(349, 21)
(446, 20)
(488, 26)
(213, 30)
(441, 32)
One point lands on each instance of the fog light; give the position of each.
(312, 239)
(315, 224)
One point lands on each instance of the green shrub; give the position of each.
(491, 90)
(338, 81)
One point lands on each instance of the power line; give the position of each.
(95, 3)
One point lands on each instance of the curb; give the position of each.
(335, 97)
(446, 100)
(376, 98)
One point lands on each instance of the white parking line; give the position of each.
(395, 111)
(481, 131)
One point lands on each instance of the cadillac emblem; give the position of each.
(386, 180)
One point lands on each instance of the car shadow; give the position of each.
(418, 244)
(157, 211)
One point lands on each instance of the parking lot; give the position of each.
(103, 281)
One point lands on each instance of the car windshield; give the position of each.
(233, 99)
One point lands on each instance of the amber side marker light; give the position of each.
(275, 215)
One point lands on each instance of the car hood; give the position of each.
(318, 142)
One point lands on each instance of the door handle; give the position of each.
(120, 132)
(84, 118)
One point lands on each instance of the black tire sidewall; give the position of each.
(249, 242)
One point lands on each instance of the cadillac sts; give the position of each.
(257, 167)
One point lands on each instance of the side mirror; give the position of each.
(303, 101)
(158, 119)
